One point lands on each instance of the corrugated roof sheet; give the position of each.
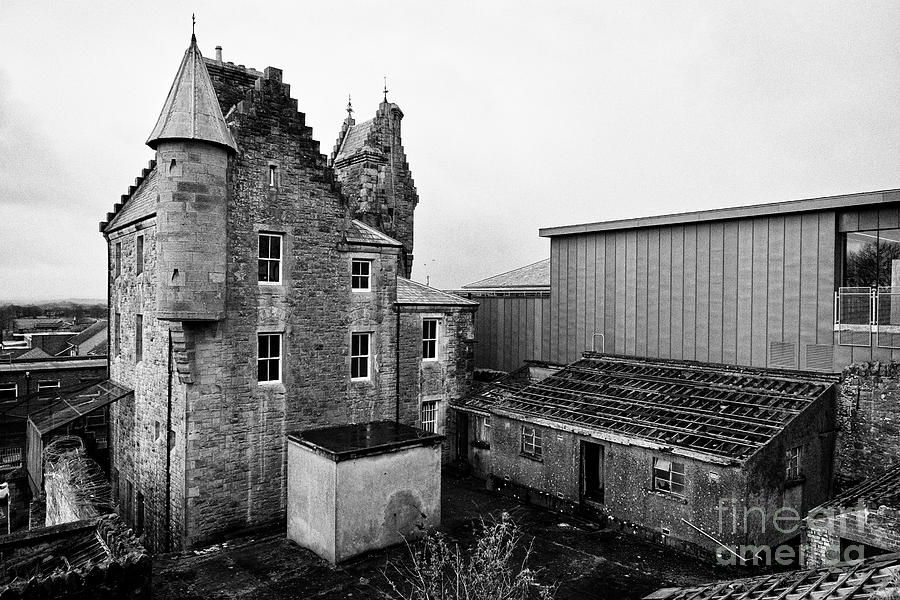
(535, 275)
(854, 581)
(871, 493)
(412, 292)
(191, 110)
(360, 233)
(719, 410)
(68, 406)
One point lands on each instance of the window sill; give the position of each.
(360, 380)
(271, 385)
(368, 291)
(671, 496)
(539, 459)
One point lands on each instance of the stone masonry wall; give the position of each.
(868, 422)
(823, 534)
(138, 423)
(237, 426)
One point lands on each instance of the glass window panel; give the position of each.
(264, 246)
(275, 247)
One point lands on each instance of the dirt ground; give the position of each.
(585, 561)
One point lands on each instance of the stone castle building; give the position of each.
(255, 291)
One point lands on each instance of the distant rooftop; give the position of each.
(737, 212)
(535, 276)
(720, 411)
(91, 331)
(414, 293)
(343, 442)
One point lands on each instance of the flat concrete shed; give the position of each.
(356, 488)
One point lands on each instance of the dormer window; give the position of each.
(273, 176)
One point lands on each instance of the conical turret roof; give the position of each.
(191, 111)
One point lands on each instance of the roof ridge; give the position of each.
(474, 283)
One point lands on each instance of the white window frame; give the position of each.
(792, 458)
(367, 276)
(429, 415)
(433, 341)
(269, 259)
(483, 428)
(268, 358)
(532, 442)
(674, 482)
(357, 358)
(48, 384)
(6, 387)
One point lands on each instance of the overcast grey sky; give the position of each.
(519, 115)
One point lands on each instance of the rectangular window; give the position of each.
(532, 443)
(269, 266)
(429, 416)
(268, 362)
(138, 338)
(483, 429)
(429, 339)
(792, 463)
(668, 476)
(8, 391)
(273, 175)
(872, 258)
(139, 252)
(361, 275)
(50, 384)
(118, 258)
(117, 335)
(359, 355)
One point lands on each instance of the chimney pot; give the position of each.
(218, 53)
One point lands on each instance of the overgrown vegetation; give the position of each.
(489, 570)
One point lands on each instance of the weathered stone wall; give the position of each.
(138, 424)
(442, 380)
(868, 421)
(826, 529)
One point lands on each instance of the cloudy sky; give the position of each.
(519, 115)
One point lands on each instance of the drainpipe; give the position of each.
(169, 450)
(397, 366)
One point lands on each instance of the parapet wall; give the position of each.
(868, 416)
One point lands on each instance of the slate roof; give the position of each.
(535, 275)
(414, 293)
(32, 354)
(719, 410)
(102, 349)
(360, 233)
(871, 493)
(355, 140)
(856, 581)
(88, 333)
(191, 110)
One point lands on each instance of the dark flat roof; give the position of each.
(344, 442)
(737, 212)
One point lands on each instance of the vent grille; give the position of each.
(820, 357)
(783, 355)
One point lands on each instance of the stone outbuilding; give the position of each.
(700, 456)
(862, 522)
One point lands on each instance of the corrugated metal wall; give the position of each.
(511, 329)
(716, 291)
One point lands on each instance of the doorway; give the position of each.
(592, 480)
(462, 436)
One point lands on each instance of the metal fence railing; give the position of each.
(861, 314)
